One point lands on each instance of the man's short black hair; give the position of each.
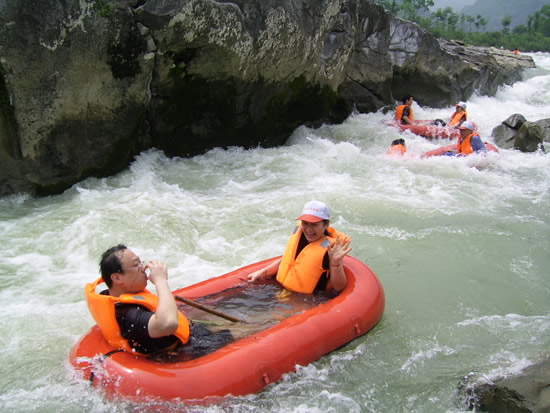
(405, 98)
(110, 263)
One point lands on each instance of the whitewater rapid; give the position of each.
(460, 246)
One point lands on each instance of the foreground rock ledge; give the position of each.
(527, 392)
(86, 84)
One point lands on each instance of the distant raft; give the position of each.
(452, 149)
(246, 365)
(428, 129)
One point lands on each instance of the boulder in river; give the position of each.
(517, 133)
(526, 392)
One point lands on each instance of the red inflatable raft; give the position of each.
(452, 148)
(246, 365)
(427, 129)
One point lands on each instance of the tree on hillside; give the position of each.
(521, 29)
(470, 20)
(506, 22)
(480, 22)
(544, 20)
(440, 16)
(406, 8)
(390, 5)
(535, 36)
(462, 19)
(452, 21)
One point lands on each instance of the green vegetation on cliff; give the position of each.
(446, 23)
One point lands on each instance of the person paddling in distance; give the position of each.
(459, 115)
(313, 259)
(468, 141)
(130, 317)
(404, 112)
(397, 148)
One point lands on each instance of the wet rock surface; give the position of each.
(87, 85)
(516, 132)
(526, 392)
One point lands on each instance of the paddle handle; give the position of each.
(208, 309)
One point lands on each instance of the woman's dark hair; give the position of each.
(110, 263)
(326, 222)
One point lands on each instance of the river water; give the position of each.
(461, 247)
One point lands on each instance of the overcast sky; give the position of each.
(457, 5)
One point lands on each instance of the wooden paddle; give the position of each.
(208, 309)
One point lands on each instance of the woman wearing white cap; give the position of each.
(459, 115)
(313, 259)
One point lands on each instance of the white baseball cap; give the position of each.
(466, 125)
(314, 211)
(462, 105)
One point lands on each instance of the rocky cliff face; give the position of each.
(87, 84)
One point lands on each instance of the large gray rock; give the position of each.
(77, 91)
(494, 67)
(527, 392)
(517, 133)
(88, 84)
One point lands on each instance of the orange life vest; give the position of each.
(302, 273)
(458, 117)
(464, 145)
(397, 150)
(102, 308)
(399, 112)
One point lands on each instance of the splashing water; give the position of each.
(462, 252)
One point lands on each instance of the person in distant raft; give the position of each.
(459, 115)
(397, 148)
(130, 317)
(468, 141)
(313, 259)
(404, 113)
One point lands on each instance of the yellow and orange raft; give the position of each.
(246, 365)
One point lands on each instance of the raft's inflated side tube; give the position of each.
(428, 129)
(452, 148)
(247, 365)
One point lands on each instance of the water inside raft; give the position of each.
(259, 305)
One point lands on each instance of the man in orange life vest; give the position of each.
(130, 317)
(459, 115)
(469, 142)
(404, 113)
(313, 259)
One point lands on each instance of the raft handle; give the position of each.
(101, 360)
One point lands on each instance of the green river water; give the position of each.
(461, 247)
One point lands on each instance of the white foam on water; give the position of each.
(460, 245)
